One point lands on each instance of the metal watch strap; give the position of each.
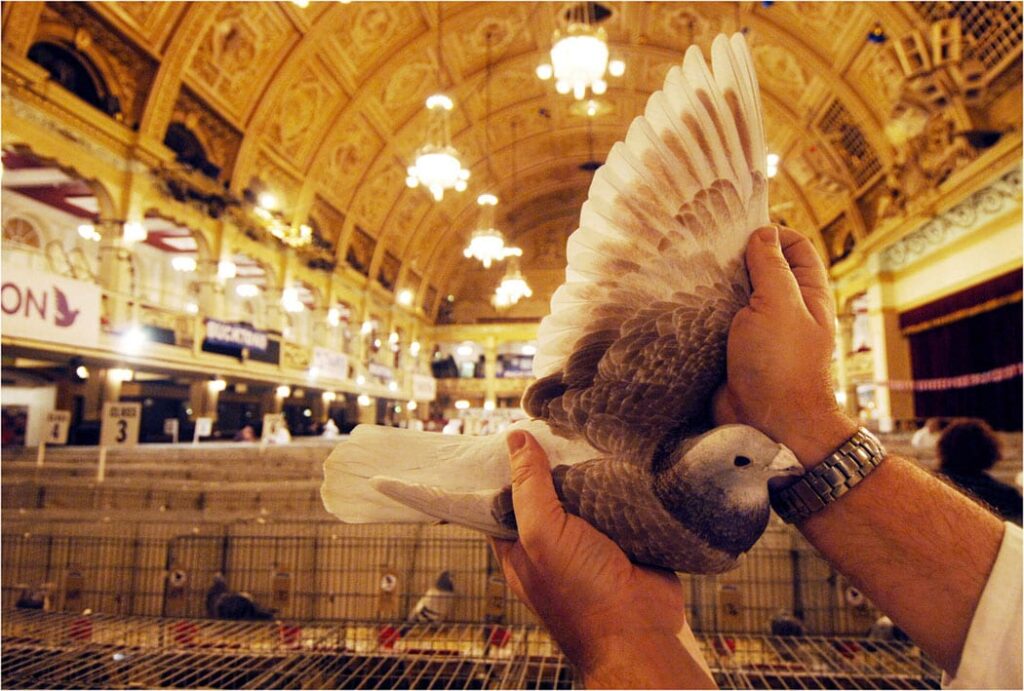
(830, 479)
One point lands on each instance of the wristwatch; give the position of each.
(832, 478)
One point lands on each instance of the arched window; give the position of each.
(22, 232)
(76, 73)
(190, 151)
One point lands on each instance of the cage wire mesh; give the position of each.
(339, 595)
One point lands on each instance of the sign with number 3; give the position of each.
(120, 424)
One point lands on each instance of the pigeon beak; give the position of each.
(784, 464)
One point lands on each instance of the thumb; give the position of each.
(771, 277)
(534, 500)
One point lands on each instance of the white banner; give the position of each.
(330, 363)
(48, 307)
(423, 388)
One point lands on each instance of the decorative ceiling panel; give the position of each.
(370, 33)
(296, 122)
(153, 23)
(239, 52)
(351, 145)
(677, 26)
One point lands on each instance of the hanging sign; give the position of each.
(423, 388)
(47, 307)
(380, 371)
(234, 334)
(330, 363)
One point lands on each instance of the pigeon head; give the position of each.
(444, 582)
(739, 457)
(717, 484)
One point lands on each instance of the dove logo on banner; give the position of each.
(49, 308)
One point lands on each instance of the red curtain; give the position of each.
(975, 330)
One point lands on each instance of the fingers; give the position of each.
(538, 511)
(810, 274)
(770, 276)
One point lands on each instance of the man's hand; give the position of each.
(624, 626)
(780, 347)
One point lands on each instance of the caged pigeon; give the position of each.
(436, 604)
(224, 603)
(630, 355)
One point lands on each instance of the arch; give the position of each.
(188, 149)
(75, 72)
(21, 231)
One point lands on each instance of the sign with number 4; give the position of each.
(120, 424)
(57, 424)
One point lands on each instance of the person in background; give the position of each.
(330, 429)
(246, 434)
(927, 437)
(967, 450)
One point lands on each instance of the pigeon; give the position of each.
(630, 355)
(224, 603)
(436, 604)
(34, 598)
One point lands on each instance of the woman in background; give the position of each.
(967, 450)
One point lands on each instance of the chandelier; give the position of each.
(512, 289)
(291, 235)
(437, 166)
(579, 56)
(487, 243)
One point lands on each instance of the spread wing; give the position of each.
(634, 346)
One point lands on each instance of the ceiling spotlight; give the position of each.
(284, 391)
(82, 372)
(247, 290)
(267, 200)
(88, 232)
(363, 400)
(191, 308)
(134, 231)
(405, 297)
(412, 405)
(133, 339)
(184, 264)
(120, 374)
(329, 396)
(462, 404)
(226, 269)
(218, 384)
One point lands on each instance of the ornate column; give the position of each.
(490, 371)
(211, 290)
(115, 275)
(844, 344)
(891, 354)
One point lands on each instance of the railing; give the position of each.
(55, 650)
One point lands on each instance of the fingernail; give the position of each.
(769, 235)
(516, 440)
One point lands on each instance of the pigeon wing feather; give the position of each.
(635, 342)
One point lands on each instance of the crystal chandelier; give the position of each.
(487, 243)
(579, 56)
(291, 235)
(513, 287)
(437, 166)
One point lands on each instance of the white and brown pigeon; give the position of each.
(630, 356)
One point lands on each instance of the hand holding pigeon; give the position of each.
(631, 354)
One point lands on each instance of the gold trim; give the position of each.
(988, 306)
(968, 282)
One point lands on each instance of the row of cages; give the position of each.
(333, 571)
(61, 650)
(266, 498)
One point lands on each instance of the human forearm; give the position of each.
(917, 548)
(654, 661)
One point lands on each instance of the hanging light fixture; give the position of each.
(513, 287)
(487, 242)
(579, 55)
(437, 166)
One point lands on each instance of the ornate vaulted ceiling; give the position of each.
(323, 105)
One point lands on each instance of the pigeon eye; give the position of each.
(741, 461)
